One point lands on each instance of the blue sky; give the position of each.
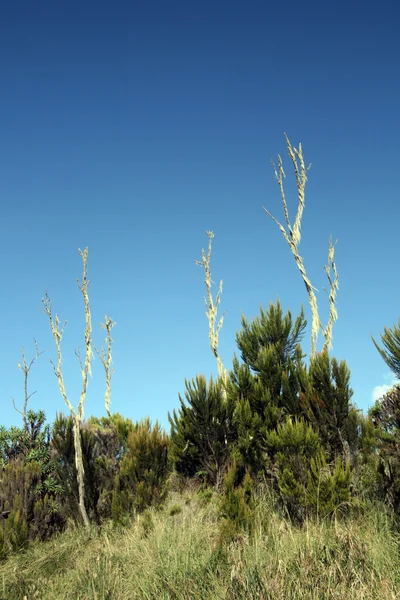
(132, 128)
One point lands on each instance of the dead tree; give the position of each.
(212, 308)
(78, 414)
(25, 367)
(293, 237)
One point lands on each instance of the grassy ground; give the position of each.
(177, 553)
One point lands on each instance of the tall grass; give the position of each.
(180, 553)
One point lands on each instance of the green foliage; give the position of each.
(236, 505)
(265, 387)
(14, 530)
(271, 332)
(366, 481)
(391, 351)
(205, 495)
(307, 485)
(328, 487)
(202, 430)
(325, 401)
(30, 488)
(254, 415)
(385, 416)
(270, 346)
(291, 447)
(117, 422)
(293, 439)
(144, 469)
(104, 443)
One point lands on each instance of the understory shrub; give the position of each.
(144, 469)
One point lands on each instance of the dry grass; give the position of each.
(179, 554)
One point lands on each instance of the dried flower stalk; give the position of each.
(25, 367)
(212, 308)
(85, 369)
(293, 238)
(106, 358)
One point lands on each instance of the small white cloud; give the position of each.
(380, 390)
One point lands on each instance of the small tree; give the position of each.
(201, 431)
(326, 402)
(78, 414)
(265, 387)
(142, 478)
(293, 237)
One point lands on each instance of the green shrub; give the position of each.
(202, 431)
(236, 506)
(328, 489)
(306, 484)
(144, 469)
(385, 416)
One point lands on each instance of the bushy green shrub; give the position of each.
(202, 431)
(143, 473)
(236, 506)
(265, 386)
(306, 484)
(385, 416)
(326, 403)
(31, 491)
(104, 443)
(328, 489)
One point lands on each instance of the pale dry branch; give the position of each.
(293, 238)
(78, 356)
(57, 335)
(212, 308)
(106, 358)
(86, 370)
(333, 287)
(25, 367)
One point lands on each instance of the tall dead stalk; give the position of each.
(25, 367)
(293, 237)
(105, 356)
(85, 370)
(212, 308)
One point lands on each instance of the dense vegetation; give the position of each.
(278, 446)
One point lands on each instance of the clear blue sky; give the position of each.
(134, 127)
